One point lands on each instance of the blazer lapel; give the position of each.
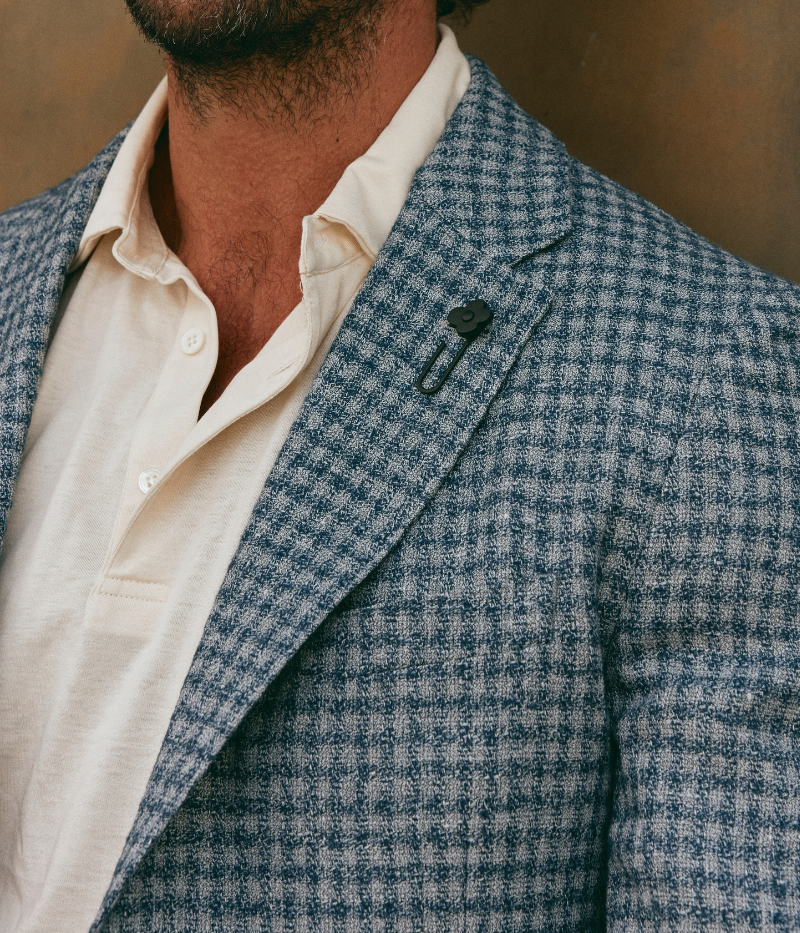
(368, 450)
(38, 240)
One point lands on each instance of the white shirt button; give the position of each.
(147, 480)
(192, 341)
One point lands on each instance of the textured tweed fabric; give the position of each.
(520, 656)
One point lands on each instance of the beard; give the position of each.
(289, 55)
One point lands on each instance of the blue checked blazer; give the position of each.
(519, 656)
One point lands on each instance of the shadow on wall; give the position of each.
(693, 103)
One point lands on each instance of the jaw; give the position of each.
(263, 55)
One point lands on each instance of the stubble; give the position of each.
(280, 57)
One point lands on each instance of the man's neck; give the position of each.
(230, 190)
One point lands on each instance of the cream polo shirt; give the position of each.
(128, 509)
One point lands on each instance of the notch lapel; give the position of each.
(368, 450)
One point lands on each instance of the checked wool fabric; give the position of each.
(519, 656)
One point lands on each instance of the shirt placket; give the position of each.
(172, 411)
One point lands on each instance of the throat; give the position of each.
(246, 320)
(244, 254)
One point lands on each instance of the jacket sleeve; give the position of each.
(703, 665)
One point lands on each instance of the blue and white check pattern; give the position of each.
(521, 656)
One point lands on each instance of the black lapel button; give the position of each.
(470, 321)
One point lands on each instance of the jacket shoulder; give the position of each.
(641, 248)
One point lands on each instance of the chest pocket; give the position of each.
(377, 640)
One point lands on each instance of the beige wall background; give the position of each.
(693, 103)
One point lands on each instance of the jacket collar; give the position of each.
(497, 175)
